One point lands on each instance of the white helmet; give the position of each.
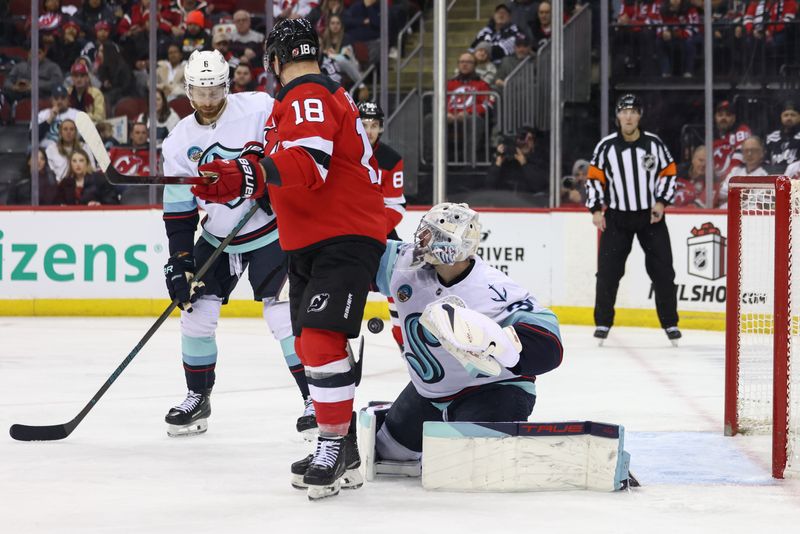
(206, 69)
(448, 233)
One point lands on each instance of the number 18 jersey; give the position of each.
(321, 155)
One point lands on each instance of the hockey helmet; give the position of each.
(206, 69)
(370, 110)
(291, 40)
(448, 233)
(629, 101)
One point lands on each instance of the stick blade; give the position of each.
(89, 133)
(118, 178)
(39, 433)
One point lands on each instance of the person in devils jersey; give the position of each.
(319, 172)
(390, 175)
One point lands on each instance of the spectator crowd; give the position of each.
(94, 57)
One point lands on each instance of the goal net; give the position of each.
(762, 389)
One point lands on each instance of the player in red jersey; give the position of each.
(324, 189)
(390, 176)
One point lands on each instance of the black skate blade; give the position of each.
(630, 482)
(38, 433)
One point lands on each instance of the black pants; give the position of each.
(615, 245)
(266, 270)
(489, 403)
(328, 285)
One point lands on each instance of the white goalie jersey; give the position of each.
(191, 144)
(436, 373)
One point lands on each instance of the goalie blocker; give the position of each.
(503, 457)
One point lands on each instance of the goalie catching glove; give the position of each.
(179, 272)
(241, 177)
(476, 341)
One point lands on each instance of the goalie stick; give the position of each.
(89, 133)
(55, 432)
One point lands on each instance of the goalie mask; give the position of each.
(447, 234)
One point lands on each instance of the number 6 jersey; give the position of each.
(320, 155)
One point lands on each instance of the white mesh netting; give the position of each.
(756, 272)
(793, 436)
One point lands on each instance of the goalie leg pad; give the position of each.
(524, 456)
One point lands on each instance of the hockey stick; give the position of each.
(356, 365)
(55, 432)
(89, 133)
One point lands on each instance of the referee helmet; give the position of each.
(629, 101)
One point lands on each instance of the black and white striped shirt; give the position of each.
(630, 176)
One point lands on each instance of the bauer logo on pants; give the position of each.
(318, 302)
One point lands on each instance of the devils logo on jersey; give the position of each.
(270, 137)
(129, 161)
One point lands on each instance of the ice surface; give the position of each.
(119, 472)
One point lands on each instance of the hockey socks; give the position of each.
(295, 365)
(331, 378)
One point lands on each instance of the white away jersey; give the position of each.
(435, 373)
(191, 144)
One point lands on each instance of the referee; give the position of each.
(632, 176)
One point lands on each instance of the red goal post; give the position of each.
(762, 393)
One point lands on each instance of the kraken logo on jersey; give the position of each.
(420, 358)
(217, 151)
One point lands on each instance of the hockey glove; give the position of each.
(476, 341)
(242, 177)
(179, 272)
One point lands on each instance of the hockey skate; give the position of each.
(191, 416)
(673, 334)
(323, 478)
(351, 479)
(307, 423)
(601, 333)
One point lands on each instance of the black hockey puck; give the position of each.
(375, 325)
